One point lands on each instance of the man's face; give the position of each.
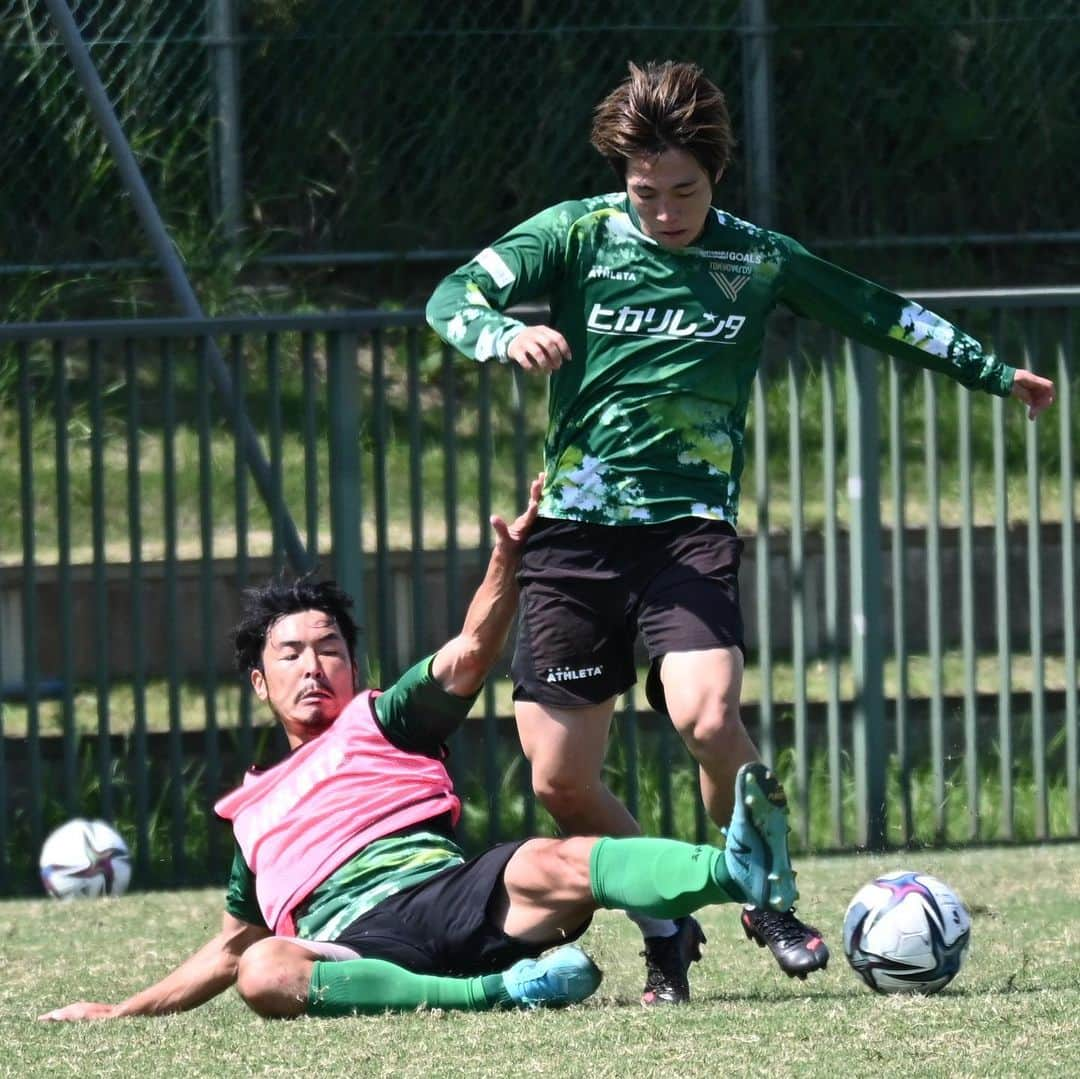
(307, 676)
(672, 195)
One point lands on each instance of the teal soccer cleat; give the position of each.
(756, 853)
(564, 976)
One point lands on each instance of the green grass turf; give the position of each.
(1014, 1009)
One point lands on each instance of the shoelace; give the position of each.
(785, 928)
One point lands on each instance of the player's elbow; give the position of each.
(462, 664)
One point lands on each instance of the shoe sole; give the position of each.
(762, 798)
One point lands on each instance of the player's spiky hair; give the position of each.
(263, 606)
(664, 106)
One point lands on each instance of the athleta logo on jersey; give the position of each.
(571, 674)
(610, 275)
(669, 322)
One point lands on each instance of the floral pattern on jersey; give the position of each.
(707, 434)
(477, 307)
(579, 489)
(924, 330)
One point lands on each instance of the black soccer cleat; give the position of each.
(667, 961)
(798, 948)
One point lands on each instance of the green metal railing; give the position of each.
(911, 608)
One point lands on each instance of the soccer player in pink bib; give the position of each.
(348, 893)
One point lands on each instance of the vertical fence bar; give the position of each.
(29, 600)
(1068, 571)
(762, 555)
(967, 611)
(450, 490)
(101, 601)
(238, 370)
(756, 32)
(484, 462)
(416, 498)
(667, 805)
(311, 446)
(899, 587)
(388, 665)
(867, 607)
(140, 782)
(63, 573)
(521, 487)
(832, 600)
(210, 628)
(1035, 609)
(277, 501)
(934, 601)
(798, 590)
(628, 728)
(346, 494)
(701, 819)
(1003, 631)
(459, 753)
(224, 68)
(177, 793)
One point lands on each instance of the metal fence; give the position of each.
(314, 130)
(909, 579)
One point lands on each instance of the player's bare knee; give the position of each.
(708, 728)
(269, 980)
(565, 800)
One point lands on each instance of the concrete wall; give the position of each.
(225, 600)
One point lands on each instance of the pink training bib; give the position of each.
(300, 820)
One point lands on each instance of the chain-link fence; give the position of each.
(336, 127)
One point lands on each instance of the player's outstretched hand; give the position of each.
(539, 348)
(83, 1009)
(1035, 391)
(512, 535)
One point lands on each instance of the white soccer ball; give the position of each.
(906, 932)
(85, 859)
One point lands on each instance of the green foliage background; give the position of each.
(420, 126)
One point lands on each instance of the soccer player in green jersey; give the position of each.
(659, 303)
(348, 893)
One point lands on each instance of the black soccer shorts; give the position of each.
(588, 590)
(444, 924)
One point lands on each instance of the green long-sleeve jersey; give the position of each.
(646, 422)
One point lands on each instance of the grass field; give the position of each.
(1014, 1009)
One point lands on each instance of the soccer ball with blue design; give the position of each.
(84, 859)
(906, 932)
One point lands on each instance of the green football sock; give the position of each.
(659, 877)
(373, 986)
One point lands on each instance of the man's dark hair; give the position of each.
(668, 106)
(264, 605)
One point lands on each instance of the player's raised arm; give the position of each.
(210, 971)
(897, 326)
(462, 664)
(466, 309)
